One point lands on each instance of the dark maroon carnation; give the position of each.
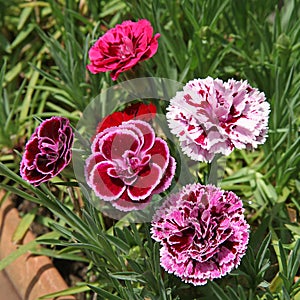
(48, 151)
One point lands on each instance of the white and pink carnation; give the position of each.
(213, 117)
(202, 231)
(128, 165)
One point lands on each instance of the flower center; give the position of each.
(126, 49)
(130, 165)
(183, 239)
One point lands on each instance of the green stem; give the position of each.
(213, 171)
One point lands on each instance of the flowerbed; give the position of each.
(164, 141)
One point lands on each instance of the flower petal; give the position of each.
(123, 47)
(106, 187)
(146, 181)
(48, 151)
(202, 231)
(212, 117)
(167, 177)
(160, 154)
(117, 143)
(125, 203)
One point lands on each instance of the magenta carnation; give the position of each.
(213, 117)
(128, 165)
(48, 151)
(202, 231)
(122, 47)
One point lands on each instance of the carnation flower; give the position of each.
(137, 111)
(213, 117)
(48, 151)
(128, 165)
(202, 231)
(122, 47)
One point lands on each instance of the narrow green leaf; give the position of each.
(294, 228)
(262, 251)
(232, 294)
(59, 255)
(34, 4)
(128, 276)
(104, 293)
(20, 251)
(19, 192)
(118, 243)
(83, 287)
(109, 252)
(30, 89)
(24, 17)
(294, 261)
(283, 259)
(14, 72)
(218, 291)
(135, 266)
(16, 254)
(21, 36)
(2, 72)
(9, 123)
(62, 230)
(219, 11)
(112, 7)
(24, 225)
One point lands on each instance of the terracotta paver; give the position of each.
(32, 276)
(7, 290)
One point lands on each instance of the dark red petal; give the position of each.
(124, 203)
(147, 180)
(45, 164)
(167, 177)
(33, 176)
(160, 153)
(147, 112)
(48, 145)
(32, 149)
(50, 128)
(90, 163)
(117, 143)
(148, 138)
(141, 111)
(106, 187)
(115, 119)
(48, 150)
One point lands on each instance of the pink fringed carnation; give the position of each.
(48, 151)
(128, 165)
(202, 231)
(211, 116)
(122, 47)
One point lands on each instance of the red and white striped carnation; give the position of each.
(213, 117)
